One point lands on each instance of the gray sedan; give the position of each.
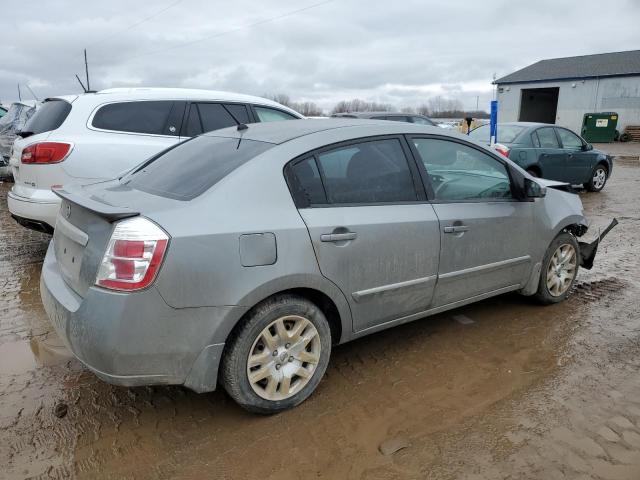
(242, 255)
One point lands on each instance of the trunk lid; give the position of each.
(82, 232)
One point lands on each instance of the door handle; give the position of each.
(456, 229)
(338, 237)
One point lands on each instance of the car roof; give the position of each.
(286, 130)
(375, 114)
(153, 93)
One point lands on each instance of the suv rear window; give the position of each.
(138, 117)
(192, 167)
(51, 115)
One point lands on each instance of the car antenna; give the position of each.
(241, 128)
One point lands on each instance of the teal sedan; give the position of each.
(551, 152)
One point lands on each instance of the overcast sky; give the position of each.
(395, 51)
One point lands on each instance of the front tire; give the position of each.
(276, 359)
(559, 269)
(598, 179)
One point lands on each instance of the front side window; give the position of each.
(272, 115)
(150, 117)
(369, 172)
(547, 138)
(190, 168)
(461, 173)
(569, 139)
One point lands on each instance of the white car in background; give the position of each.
(96, 136)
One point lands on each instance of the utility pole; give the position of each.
(19, 94)
(477, 102)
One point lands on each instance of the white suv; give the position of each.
(96, 136)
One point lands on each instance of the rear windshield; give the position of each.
(51, 115)
(192, 167)
(506, 133)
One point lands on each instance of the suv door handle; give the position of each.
(338, 237)
(456, 229)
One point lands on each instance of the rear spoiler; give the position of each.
(110, 213)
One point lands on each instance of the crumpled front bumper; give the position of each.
(588, 250)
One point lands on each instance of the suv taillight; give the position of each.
(45, 152)
(503, 149)
(134, 255)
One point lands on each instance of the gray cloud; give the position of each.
(397, 52)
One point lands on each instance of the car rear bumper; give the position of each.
(38, 210)
(134, 339)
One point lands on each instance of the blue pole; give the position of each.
(493, 123)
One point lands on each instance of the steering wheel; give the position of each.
(489, 192)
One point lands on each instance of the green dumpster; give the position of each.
(599, 127)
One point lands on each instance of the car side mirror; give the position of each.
(533, 189)
(586, 147)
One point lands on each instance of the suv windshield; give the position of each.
(50, 116)
(192, 167)
(506, 133)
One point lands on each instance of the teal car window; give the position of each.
(569, 139)
(547, 138)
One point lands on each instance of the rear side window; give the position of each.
(206, 117)
(50, 117)
(368, 172)
(192, 167)
(307, 184)
(272, 115)
(150, 117)
(547, 138)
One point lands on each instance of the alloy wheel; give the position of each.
(562, 269)
(599, 178)
(283, 358)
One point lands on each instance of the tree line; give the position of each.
(435, 107)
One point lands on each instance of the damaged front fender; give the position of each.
(588, 250)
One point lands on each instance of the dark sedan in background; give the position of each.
(551, 152)
(392, 116)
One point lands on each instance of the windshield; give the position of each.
(192, 167)
(506, 133)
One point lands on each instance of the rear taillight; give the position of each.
(134, 255)
(45, 152)
(502, 149)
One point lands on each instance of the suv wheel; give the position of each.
(598, 179)
(279, 355)
(559, 269)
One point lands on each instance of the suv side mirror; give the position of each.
(586, 147)
(533, 189)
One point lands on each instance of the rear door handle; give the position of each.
(338, 237)
(456, 229)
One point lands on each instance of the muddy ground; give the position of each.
(500, 389)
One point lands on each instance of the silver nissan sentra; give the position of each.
(242, 255)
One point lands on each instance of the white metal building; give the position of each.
(562, 90)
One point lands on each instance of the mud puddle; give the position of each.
(499, 389)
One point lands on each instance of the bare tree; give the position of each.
(357, 105)
(308, 109)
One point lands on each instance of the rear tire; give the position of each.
(277, 357)
(559, 269)
(598, 179)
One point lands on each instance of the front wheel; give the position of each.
(276, 359)
(598, 179)
(559, 269)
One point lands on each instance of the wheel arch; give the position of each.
(320, 291)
